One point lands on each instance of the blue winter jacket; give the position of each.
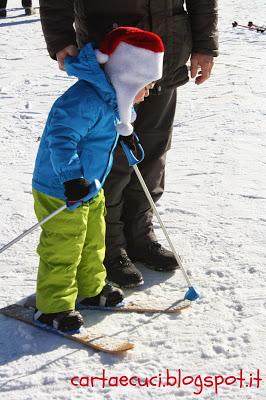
(80, 135)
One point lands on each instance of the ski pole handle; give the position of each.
(131, 157)
(25, 233)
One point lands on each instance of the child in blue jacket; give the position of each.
(74, 158)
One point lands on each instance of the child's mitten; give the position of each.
(76, 189)
(80, 191)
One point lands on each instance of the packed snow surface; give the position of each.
(214, 209)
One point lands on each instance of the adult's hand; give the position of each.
(200, 67)
(70, 50)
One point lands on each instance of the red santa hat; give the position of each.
(133, 58)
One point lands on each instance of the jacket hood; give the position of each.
(86, 67)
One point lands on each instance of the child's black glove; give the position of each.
(76, 189)
(130, 141)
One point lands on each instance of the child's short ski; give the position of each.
(142, 307)
(87, 337)
(138, 306)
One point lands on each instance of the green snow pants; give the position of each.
(71, 250)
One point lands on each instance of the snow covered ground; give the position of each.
(214, 208)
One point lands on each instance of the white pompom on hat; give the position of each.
(133, 58)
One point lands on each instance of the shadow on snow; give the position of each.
(28, 21)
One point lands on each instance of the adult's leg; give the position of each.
(3, 8)
(154, 127)
(114, 188)
(26, 3)
(129, 214)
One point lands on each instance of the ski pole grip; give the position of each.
(131, 157)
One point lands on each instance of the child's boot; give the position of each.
(108, 297)
(63, 321)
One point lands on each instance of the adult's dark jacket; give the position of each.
(185, 26)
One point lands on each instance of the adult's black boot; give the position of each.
(154, 256)
(110, 296)
(122, 272)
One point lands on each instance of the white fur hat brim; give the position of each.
(130, 69)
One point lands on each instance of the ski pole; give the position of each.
(25, 233)
(250, 26)
(191, 294)
(133, 160)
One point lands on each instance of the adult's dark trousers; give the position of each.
(25, 3)
(129, 214)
